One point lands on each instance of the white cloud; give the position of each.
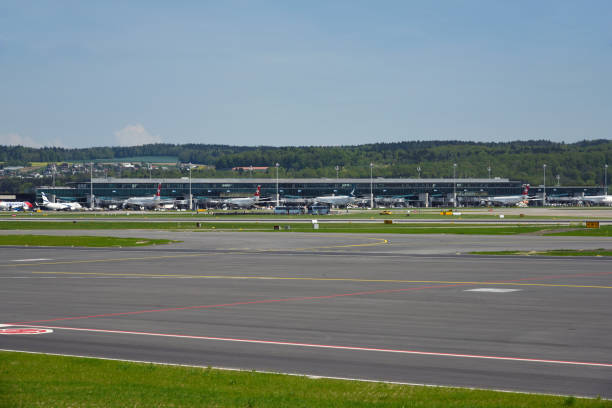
(135, 135)
(14, 139)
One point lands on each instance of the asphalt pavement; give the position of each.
(402, 308)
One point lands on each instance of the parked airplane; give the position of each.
(518, 200)
(15, 205)
(296, 200)
(109, 203)
(565, 199)
(598, 199)
(394, 201)
(147, 203)
(59, 206)
(337, 200)
(243, 202)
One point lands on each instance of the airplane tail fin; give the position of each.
(44, 198)
(258, 192)
(158, 193)
(525, 189)
(28, 205)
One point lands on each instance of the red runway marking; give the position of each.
(254, 302)
(306, 298)
(337, 347)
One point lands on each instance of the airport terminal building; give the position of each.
(413, 191)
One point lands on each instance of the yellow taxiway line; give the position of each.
(137, 275)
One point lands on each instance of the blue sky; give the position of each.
(84, 73)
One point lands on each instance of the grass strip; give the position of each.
(36, 380)
(365, 228)
(551, 252)
(93, 225)
(603, 231)
(80, 241)
(411, 229)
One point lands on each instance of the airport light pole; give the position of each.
(371, 184)
(337, 169)
(558, 180)
(277, 197)
(190, 198)
(91, 197)
(544, 196)
(419, 171)
(454, 184)
(489, 170)
(606, 179)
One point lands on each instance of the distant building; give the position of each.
(250, 168)
(407, 191)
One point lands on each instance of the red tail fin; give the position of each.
(158, 194)
(526, 189)
(29, 205)
(257, 192)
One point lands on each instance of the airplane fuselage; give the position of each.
(59, 206)
(507, 200)
(599, 199)
(62, 206)
(142, 202)
(15, 205)
(244, 202)
(341, 200)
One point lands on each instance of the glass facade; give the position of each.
(437, 190)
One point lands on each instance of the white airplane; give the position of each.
(146, 203)
(518, 200)
(560, 199)
(337, 200)
(15, 205)
(598, 199)
(296, 200)
(243, 202)
(397, 201)
(59, 206)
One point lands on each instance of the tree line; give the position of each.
(580, 163)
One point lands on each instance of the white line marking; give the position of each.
(29, 330)
(333, 347)
(494, 290)
(31, 260)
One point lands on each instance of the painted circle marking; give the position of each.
(25, 331)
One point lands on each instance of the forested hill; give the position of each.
(580, 163)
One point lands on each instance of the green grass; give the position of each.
(603, 231)
(80, 241)
(552, 252)
(417, 229)
(34, 380)
(93, 225)
(348, 227)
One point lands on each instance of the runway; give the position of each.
(388, 308)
